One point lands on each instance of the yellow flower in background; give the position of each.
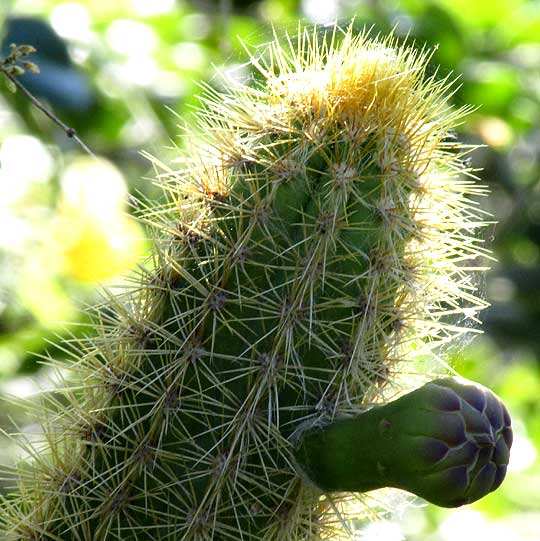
(97, 240)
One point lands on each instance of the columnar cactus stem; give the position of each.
(318, 238)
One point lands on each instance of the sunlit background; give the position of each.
(124, 74)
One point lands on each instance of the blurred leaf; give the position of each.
(492, 85)
(481, 14)
(436, 25)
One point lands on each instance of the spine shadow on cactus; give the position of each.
(314, 240)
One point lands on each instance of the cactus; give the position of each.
(315, 249)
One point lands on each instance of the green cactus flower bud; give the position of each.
(448, 442)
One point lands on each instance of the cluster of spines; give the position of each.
(317, 235)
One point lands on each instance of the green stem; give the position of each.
(69, 131)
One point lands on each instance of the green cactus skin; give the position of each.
(318, 233)
(448, 441)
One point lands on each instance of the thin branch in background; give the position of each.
(12, 67)
(225, 13)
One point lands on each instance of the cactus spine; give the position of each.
(318, 232)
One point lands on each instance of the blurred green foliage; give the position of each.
(123, 73)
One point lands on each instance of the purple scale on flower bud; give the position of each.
(502, 452)
(508, 436)
(455, 479)
(431, 450)
(494, 412)
(465, 454)
(444, 399)
(454, 430)
(484, 456)
(474, 396)
(499, 477)
(474, 422)
(506, 416)
(482, 482)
